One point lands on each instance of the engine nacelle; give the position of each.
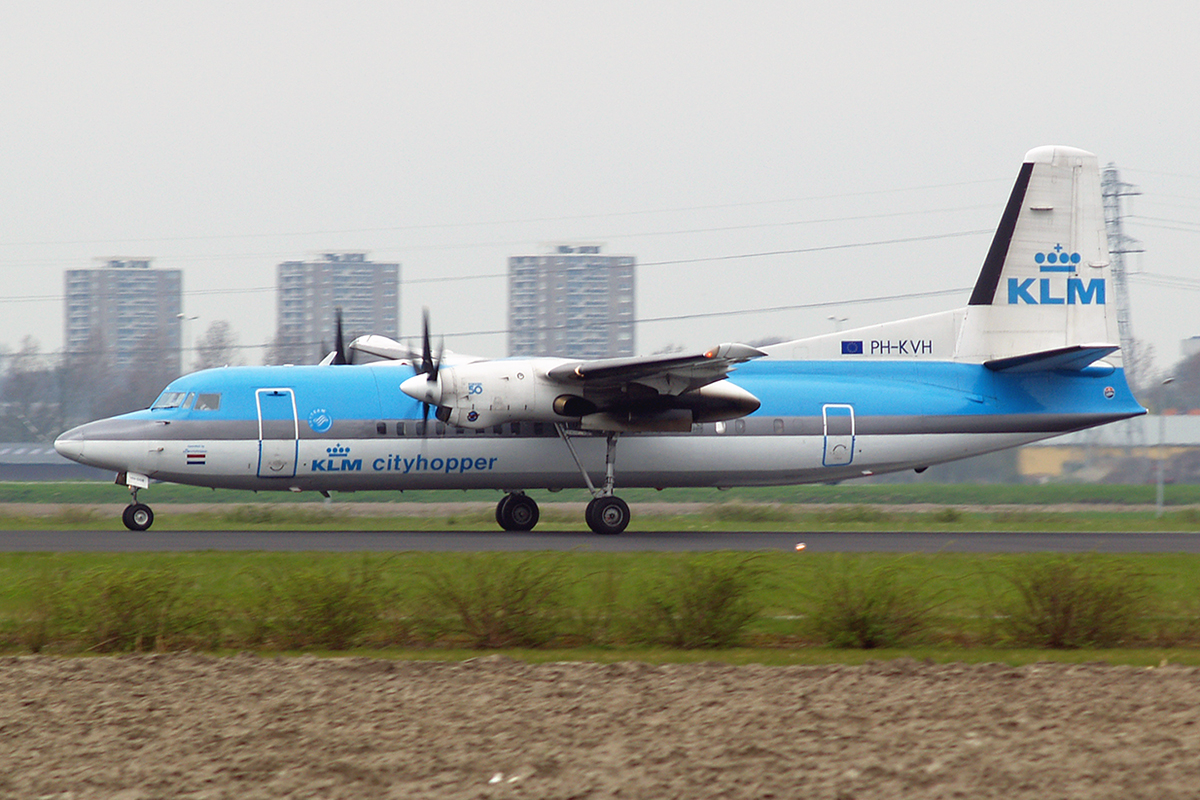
(495, 392)
(487, 393)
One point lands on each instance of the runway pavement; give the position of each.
(395, 541)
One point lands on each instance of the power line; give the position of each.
(528, 220)
(411, 248)
(1168, 281)
(961, 290)
(495, 275)
(958, 290)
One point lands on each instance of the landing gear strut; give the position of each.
(517, 511)
(137, 516)
(606, 513)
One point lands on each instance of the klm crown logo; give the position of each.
(337, 451)
(1055, 291)
(1057, 261)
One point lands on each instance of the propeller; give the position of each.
(425, 385)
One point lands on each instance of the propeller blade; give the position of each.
(427, 365)
(339, 356)
(425, 384)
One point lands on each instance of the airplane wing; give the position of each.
(383, 347)
(391, 350)
(665, 374)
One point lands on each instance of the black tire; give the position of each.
(607, 515)
(502, 511)
(521, 513)
(137, 517)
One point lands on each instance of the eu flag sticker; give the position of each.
(852, 348)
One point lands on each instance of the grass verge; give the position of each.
(440, 602)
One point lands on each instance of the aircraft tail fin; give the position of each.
(1045, 282)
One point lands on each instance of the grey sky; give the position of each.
(223, 138)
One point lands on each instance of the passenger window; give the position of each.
(440, 428)
(740, 426)
(188, 403)
(208, 402)
(399, 428)
(778, 426)
(381, 428)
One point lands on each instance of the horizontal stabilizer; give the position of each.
(1075, 357)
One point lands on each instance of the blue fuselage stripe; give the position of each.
(325, 395)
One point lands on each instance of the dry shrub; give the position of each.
(116, 610)
(495, 600)
(851, 605)
(323, 606)
(1072, 601)
(700, 603)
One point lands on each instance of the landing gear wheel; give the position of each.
(607, 515)
(502, 510)
(517, 512)
(137, 517)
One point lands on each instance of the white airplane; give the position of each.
(1032, 355)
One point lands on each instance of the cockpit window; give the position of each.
(208, 402)
(169, 400)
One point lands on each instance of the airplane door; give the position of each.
(839, 434)
(278, 433)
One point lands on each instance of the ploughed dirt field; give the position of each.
(169, 726)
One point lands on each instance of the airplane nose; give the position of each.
(70, 444)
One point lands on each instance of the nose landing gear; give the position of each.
(136, 516)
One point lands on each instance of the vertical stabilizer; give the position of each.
(1045, 282)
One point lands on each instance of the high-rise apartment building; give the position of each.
(573, 301)
(308, 294)
(123, 312)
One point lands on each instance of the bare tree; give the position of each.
(32, 407)
(217, 347)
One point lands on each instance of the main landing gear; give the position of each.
(606, 513)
